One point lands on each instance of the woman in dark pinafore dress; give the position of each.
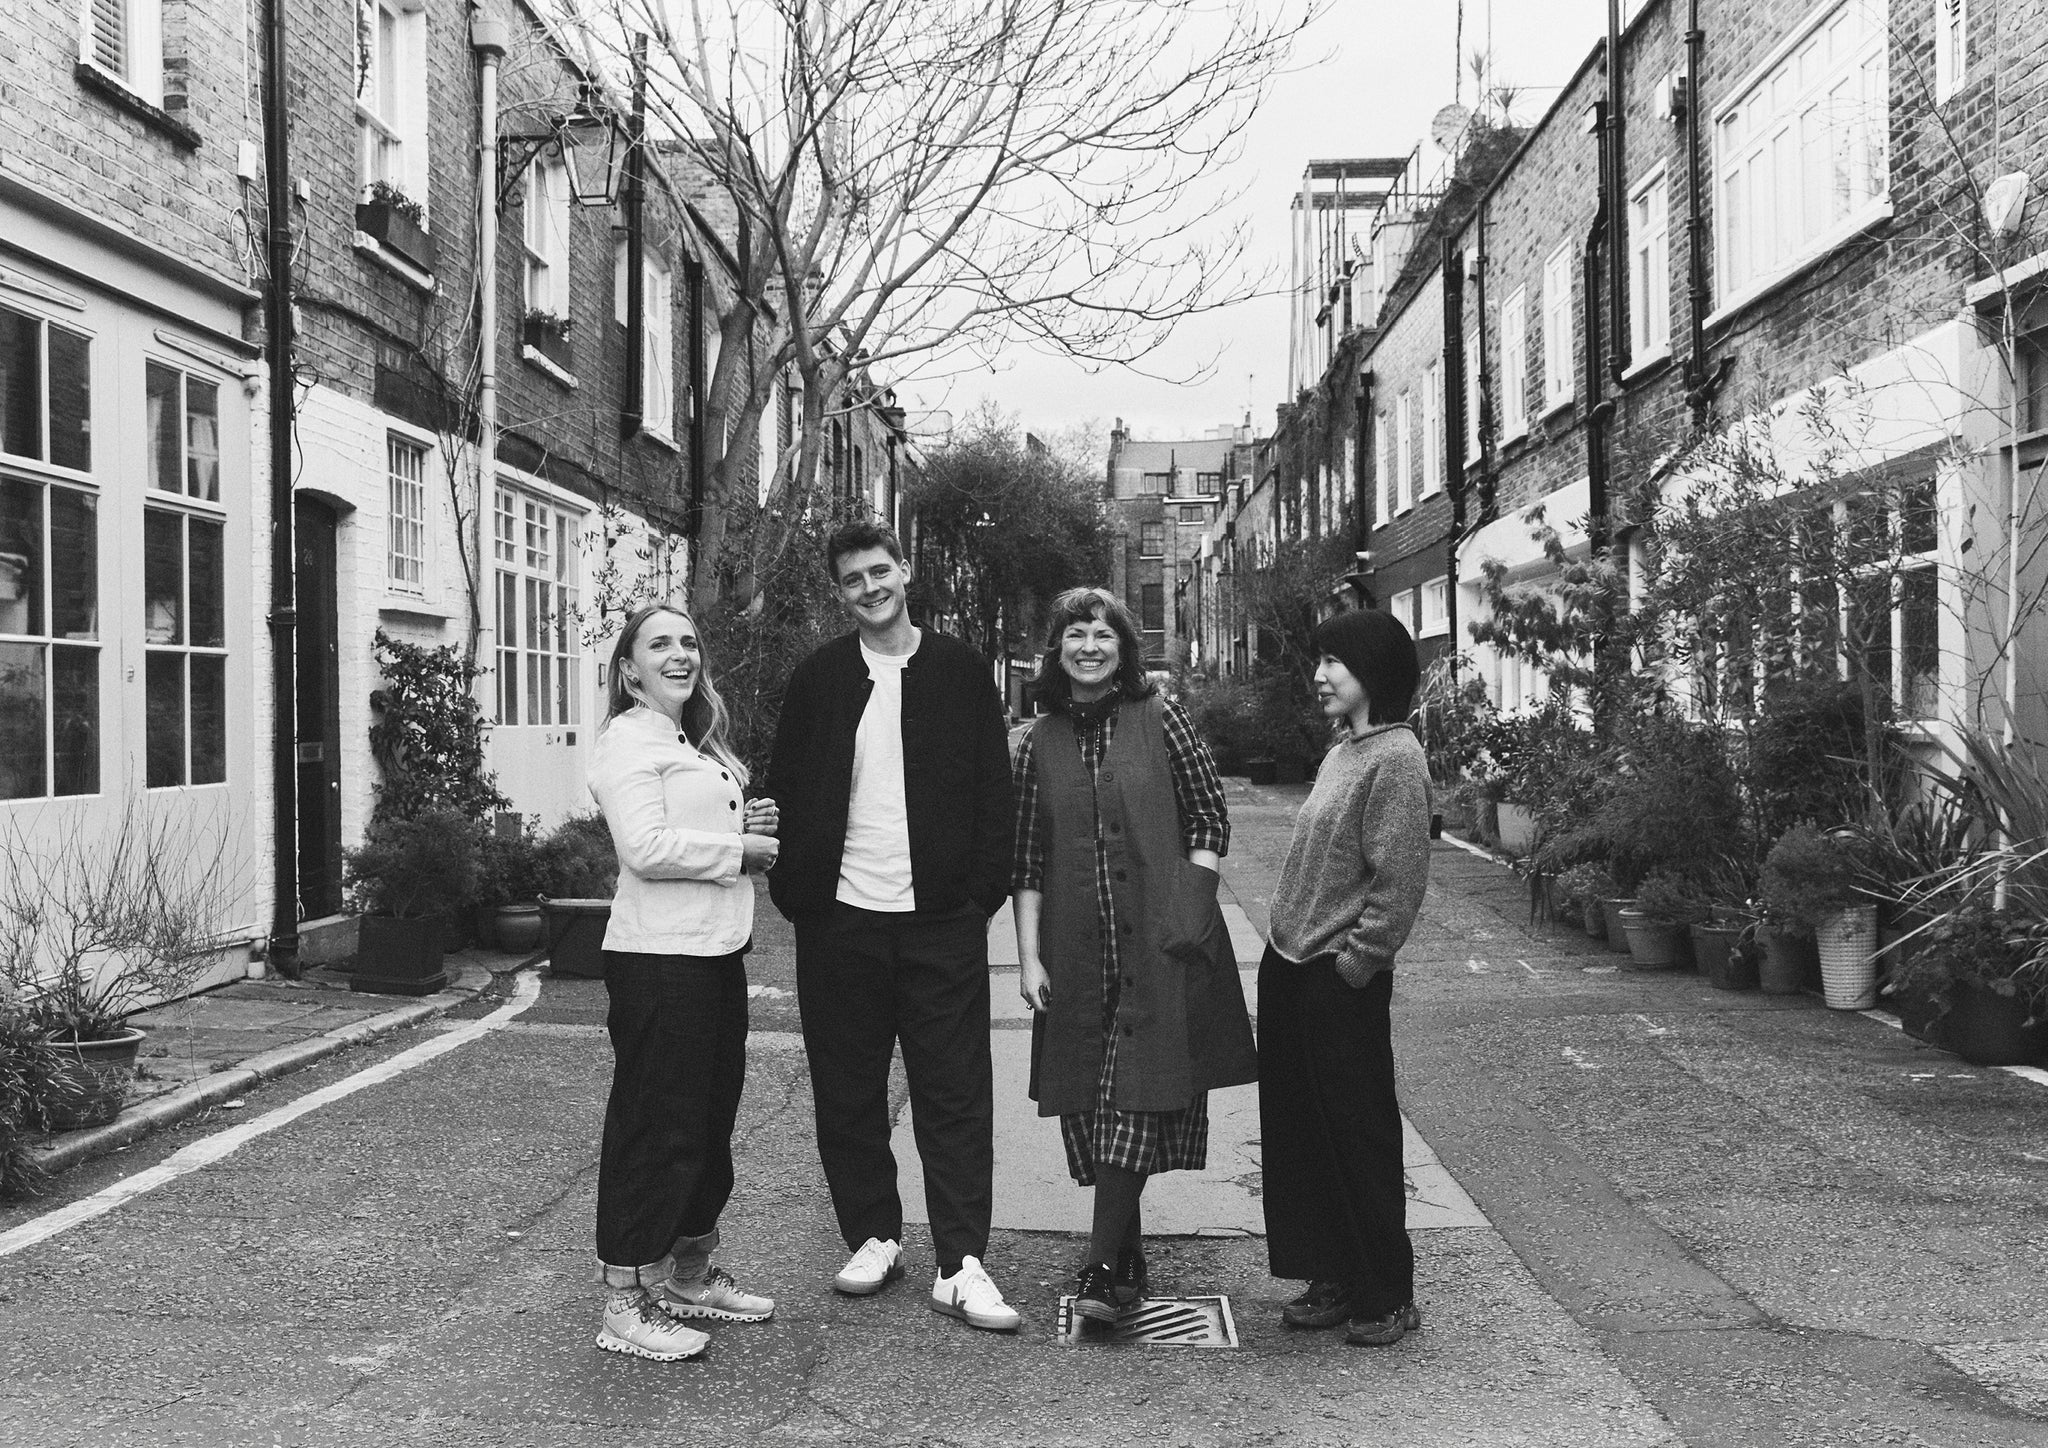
(1124, 957)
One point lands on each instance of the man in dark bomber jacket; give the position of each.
(891, 770)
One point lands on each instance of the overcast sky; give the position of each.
(1366, 80)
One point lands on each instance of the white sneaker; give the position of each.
(971, 1297)
(869, 1270)
(717, 1295)
(635, 1324)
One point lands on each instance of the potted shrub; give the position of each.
(1810, 884)
(408, 877)
(1984, 976)
(397, 223)
(1666, 903)
(511, 879)
(1914, 863)
(1582, 886)
(580, 870)
(100, 927)
(548, 335)
(29, 1073)
(1724, 943)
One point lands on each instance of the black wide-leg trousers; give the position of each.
(1330, 1130)
(678, 1025)
(865, 980)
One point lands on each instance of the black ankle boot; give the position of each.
(1095, 1298)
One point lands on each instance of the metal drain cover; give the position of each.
(1161, 1321)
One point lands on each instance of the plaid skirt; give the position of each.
(1146, 1142)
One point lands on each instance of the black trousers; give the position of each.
(1330, 1127)
(864, 981)
(679, 1043)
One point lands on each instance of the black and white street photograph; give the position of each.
(1023, 723)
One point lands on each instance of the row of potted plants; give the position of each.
(432, 882)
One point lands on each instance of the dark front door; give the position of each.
(319, 738)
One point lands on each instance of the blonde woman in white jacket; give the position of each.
(673, 795)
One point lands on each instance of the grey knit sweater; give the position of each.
(1359, 861)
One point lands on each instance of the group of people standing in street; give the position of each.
(892, 823)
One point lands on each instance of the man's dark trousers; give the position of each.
(865, 980)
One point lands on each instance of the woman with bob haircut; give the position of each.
(1349, 892)
(1123, 955)
(672, 793)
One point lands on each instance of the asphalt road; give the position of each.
(1713, 1219)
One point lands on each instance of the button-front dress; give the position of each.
(1139, 1141)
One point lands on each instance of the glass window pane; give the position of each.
(21, 557)
(202, 440)
(1919, 644)
(209, 718)
(1918, 531)
(21, 721)
(164, 694)
(70, 400)
(209, 629)
(166, 455)
(21, 385)
(163, 581)
(75, 584)
(75, 710)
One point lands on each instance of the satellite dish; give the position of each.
(1448, 125)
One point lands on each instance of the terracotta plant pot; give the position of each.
(1611, 907)
(519, 928)
(1785, 963)
(1726, 968)
(1988, 1029)
(93, 1081)
(1847, 942)
(1652, 944)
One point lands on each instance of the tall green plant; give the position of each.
(427, 733)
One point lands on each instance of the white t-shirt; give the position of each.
(874, 872)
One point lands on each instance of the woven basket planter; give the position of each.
(1847, 942)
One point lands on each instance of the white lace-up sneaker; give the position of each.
(717, 1295)
(970, 1296)
(636, 1325)
(869, 1270)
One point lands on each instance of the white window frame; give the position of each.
(1951, 47)
(1514, 365)
(1899, 566)
(1559, 385)
(658, 349)
(391, 104)
(136, 27)
(1649, 269)
(1404, 448)
(1402, 607)
(405, 529)
(1382, 466)
(1475, 393)
(545, 235)
(1432, 430)
(1433, 618)
(1801, 150)
(535, 559)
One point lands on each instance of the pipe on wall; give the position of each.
(277, 309)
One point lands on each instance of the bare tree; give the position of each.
(914, 184)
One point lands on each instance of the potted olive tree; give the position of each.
(407, 878)
(100, 926)
(1810, 886)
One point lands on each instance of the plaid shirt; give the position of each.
(1197, 790)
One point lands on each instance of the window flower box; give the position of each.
(393, 220)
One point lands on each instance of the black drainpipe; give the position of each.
(1701, 382)
(284, 616)
(633, 414)
(1450, 267)
(1616, 173)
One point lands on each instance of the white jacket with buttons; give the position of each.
(676, 817)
